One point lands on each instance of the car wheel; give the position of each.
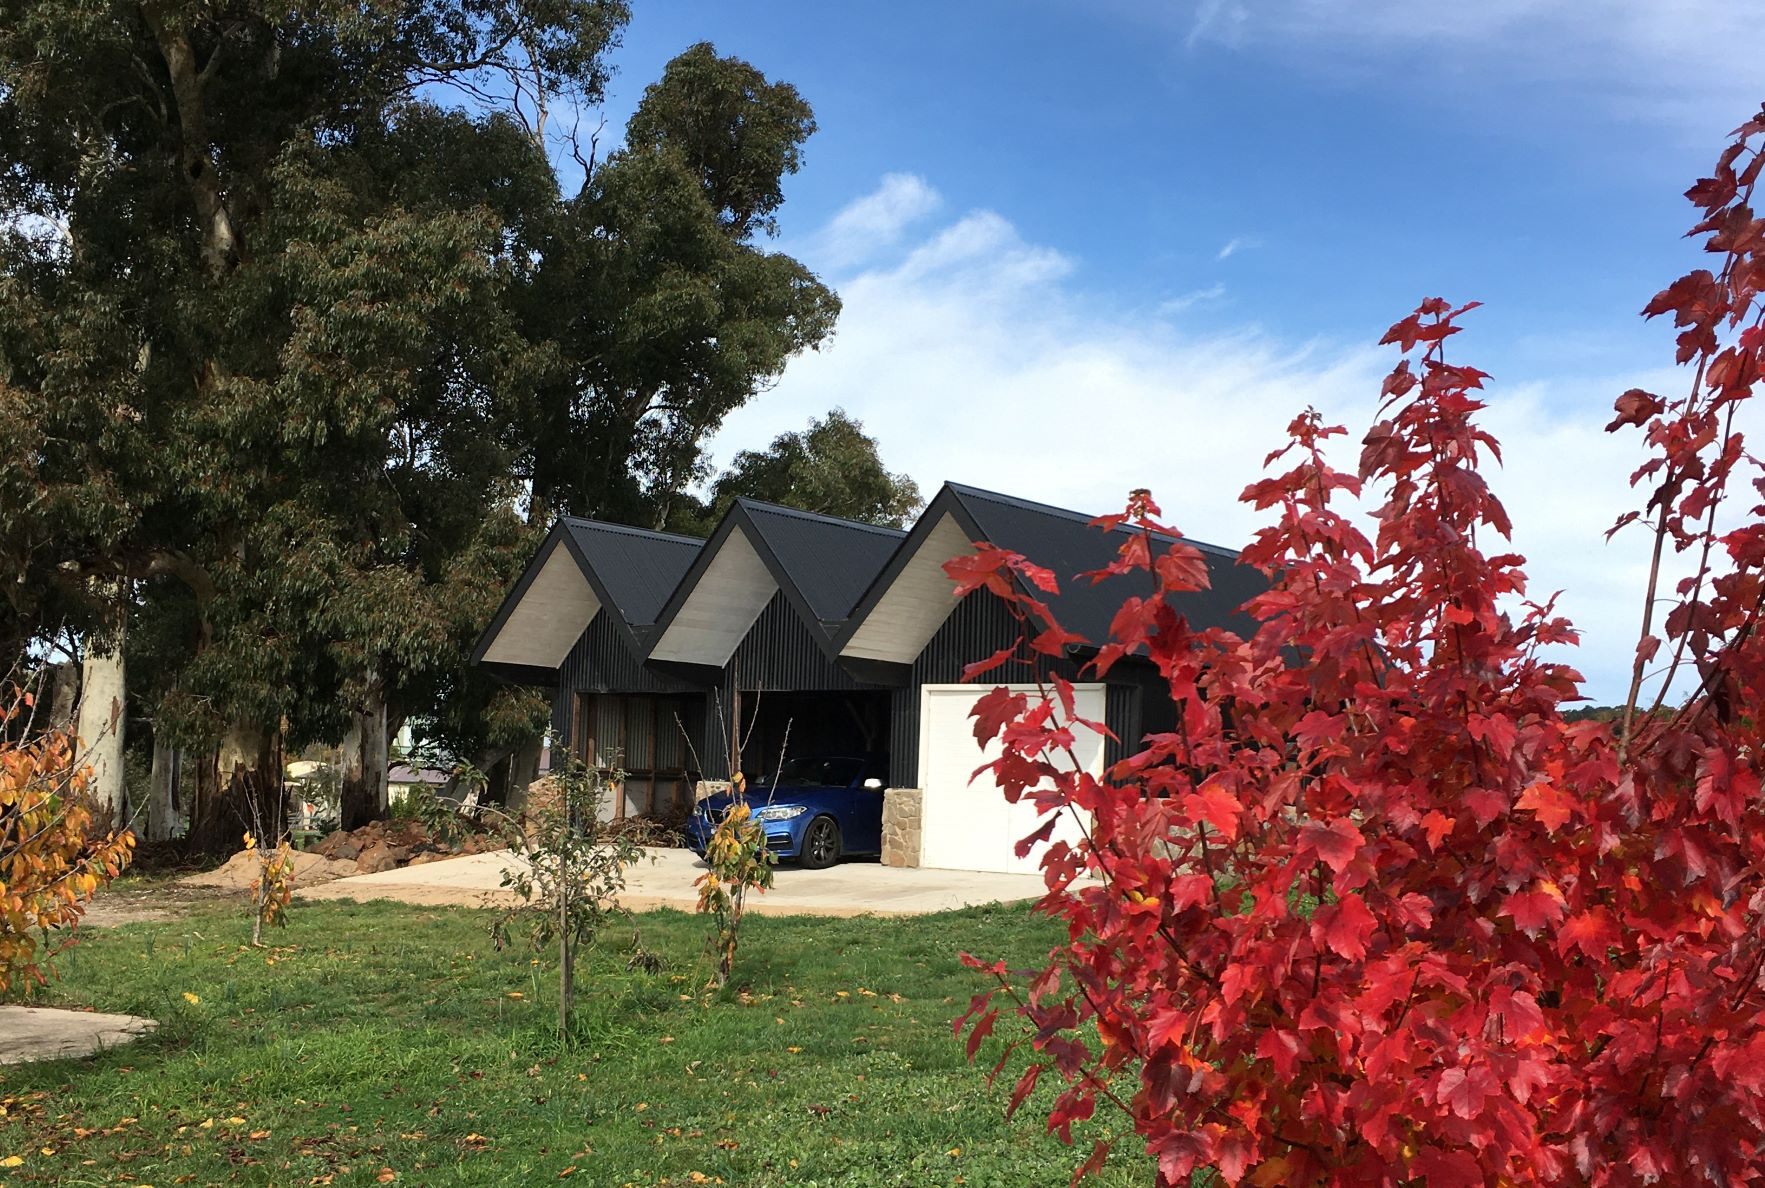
(821, 844)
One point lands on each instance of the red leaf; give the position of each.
(1635, 407)
(1535, 910)
(1026, 844)
(1553, 807)
(993, 711)
(1464, 1090)
(1025, 1085)
(1593, 932)
(1436, 825)
(1216, 806)
(1447, 1169)
(989, 664)
(980, 1030)
(1335, 844)
(1345, 926)
(1093, 1165)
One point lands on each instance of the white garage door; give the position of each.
(972, 826)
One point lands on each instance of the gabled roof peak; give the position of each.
(797, 513)
(629, 530)
(963, 490)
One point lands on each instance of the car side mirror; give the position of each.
(873, 784)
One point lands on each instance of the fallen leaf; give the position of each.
(12, 1161)
(571, 1170)
(386, 1176)
(257, 1135)
(192, 999)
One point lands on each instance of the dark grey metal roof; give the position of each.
(1065, 542)
(830, 561)
(635, 568)
(834, 571)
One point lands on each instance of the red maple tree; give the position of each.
(1373, 912)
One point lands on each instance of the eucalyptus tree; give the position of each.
(248, 249)
(294, 321)
(832, 467)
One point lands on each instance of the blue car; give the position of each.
(815, 810)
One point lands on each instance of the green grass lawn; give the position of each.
(378, 1040)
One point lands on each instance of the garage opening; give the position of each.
(796, 725)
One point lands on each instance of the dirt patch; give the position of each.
(240, 871)
(134, 903)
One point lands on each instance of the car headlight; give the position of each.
(781, 812)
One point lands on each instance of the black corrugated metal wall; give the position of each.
(603, 661)
(980, 626)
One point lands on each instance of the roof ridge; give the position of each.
(629, 530)
(818, 517)
(963, 489)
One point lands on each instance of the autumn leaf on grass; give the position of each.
(12, 1161)
(192, 999)
(386, 1176)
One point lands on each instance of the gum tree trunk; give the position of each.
(363, 796)
(103, 690)
(162, 817)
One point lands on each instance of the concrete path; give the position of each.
(849, 889)
(44, 1033)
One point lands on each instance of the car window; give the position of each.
(806, 772)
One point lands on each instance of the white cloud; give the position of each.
(1691, 61)
(976, 356)
(1189, 300)
(875, 222)
(1234, 245)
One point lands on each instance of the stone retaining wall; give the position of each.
(901, 826)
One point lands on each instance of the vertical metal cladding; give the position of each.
(603, 661)
(779, 655)
(980, 626)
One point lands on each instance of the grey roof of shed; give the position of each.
(836, 571)
(637, 569)
(831, 561)
(1065, 542)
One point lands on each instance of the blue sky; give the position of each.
(1181, 223)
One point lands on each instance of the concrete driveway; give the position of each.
(849, 889)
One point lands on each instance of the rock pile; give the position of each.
(386, 845)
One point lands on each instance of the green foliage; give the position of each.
(832, 467)
(400, 1021)
(738, 134)
(294, 314)
(568, 871)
